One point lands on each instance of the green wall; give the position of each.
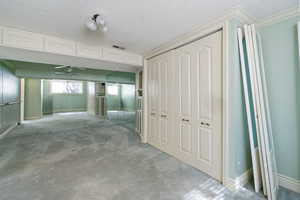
(280, 50)
(239, 145)
(9, 92)
(33, 99)
(114, 102)
(125, 100)
(53, 103)
(128, 97)
(47, 71)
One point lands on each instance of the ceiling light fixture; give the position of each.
(97, 22)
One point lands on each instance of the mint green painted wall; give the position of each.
(46, 71)
(33, 98)
(239, 146)
(128, 97)
(47, 98)
(114, 102)
(9, 92)
(280, 50)
(53, 103)
(125, 100)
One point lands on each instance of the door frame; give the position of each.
(223, 24)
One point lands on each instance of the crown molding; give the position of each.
(280, 16)
(200, 31)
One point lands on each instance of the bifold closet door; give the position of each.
(198, 104)
(153, 102)
(165, 102)
(159, 87)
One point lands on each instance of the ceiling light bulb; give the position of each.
(100, 20)
(90, 24)
(104, 29)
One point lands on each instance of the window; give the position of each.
(66, 87)
(113, 90)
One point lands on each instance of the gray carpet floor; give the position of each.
(81, 157)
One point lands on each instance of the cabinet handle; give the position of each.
(163, 116)
(152, 113)
(185, 120)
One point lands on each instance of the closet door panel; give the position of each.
(164, 89)
(207, 110)
(183, 106)
(204, 84)
(204, 140)
(185, 139)
(185, 84)
(152, 99)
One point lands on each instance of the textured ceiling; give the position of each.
(139, 25)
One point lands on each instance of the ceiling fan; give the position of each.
(67, 70)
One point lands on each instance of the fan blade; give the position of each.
(62, 66)
(60, 73)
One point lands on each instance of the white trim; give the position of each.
(66, 110)
(225, 104)
(33, 117)
(7, 131)
(36, 42)
(280, 16)
(289, 183)
(201, 31)
(239, 182)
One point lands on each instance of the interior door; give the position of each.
(199, 108)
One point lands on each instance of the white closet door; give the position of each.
(153, 137)
(164, 118)
(183, 103)
(199, 111)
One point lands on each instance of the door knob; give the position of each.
(205, 124)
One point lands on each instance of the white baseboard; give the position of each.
(284, 181)
(33, 117)
(289, 183)
(241, 181)
(7, 131)
(70, 110)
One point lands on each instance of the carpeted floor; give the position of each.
(80, 157)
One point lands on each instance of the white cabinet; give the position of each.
(184, 99)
